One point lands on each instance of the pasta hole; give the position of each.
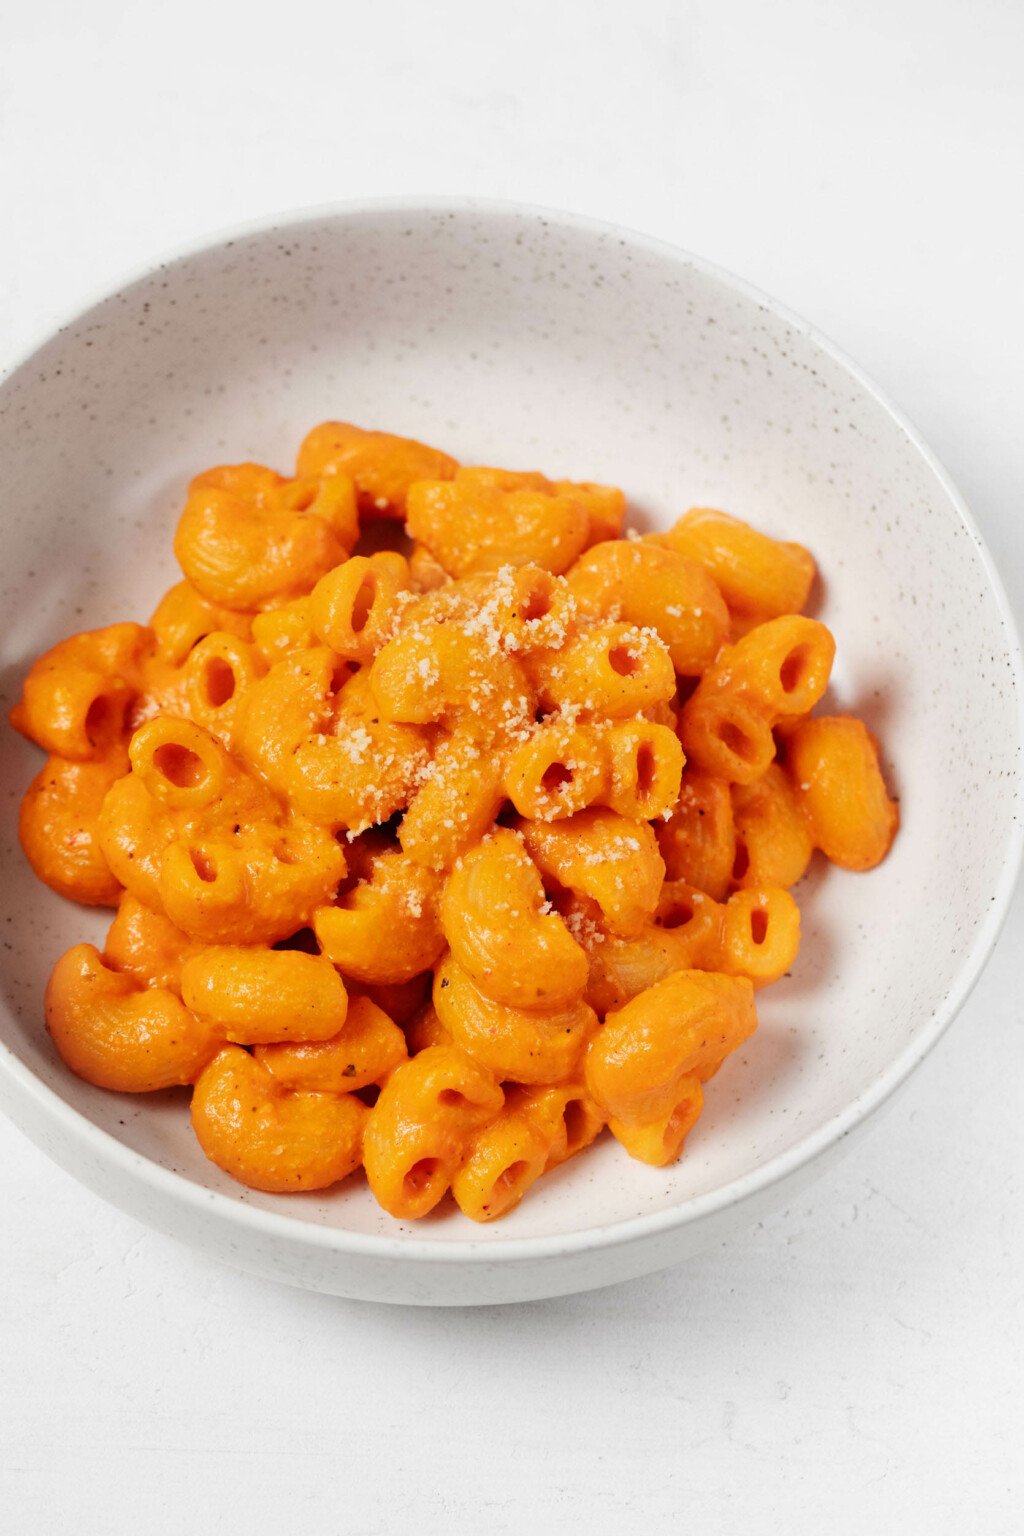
(284, 855)
(680, 913)
(362, 604)
(646, 765)
(421, 1175)
(622, 661)
(508, 1182)
(537, 605)
(204, 866)
(555, 778)
(794, 670)
(737, 741)
(220, 682)
(100, 719)
(451, 1098)
(741, 861)
(179, 765)
(575, 1118)
(758, 925)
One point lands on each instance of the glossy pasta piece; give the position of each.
(478, 521)
(146, 945)
(778, 670)
(258, 887)
(162, 689)
(76, 698)
(499, 1165)
(190, 832)
(442, 672)
(386, 929)
(183, 617)
(119, 1035)
(658, 588)
(726, 734)
(515, 610)
(382, 466)
(493, 917)
(245, 548)
(251, 482)
(331, 498)
(360, 776)
(659, 1141)
(58, 826)
(134, 832)
(645, 765)
(559, 769)
(833, 766)
(783, 665)
(601, 855)
(180, 765)
(760, 935)
(698, 842)
(271, 1137)
(755, 934)
(219, 672)
(620, 969)
(640, 1065)
(759, 577)
(320, 742)
(257, 996)
(457, 803)
(420, 1128)
(564, 1114)
(354, 605)
(612, 670)
(293, 705)
(516, 1044)
(684, 934)
(287, 627)
(772, 836)
(365, 1050)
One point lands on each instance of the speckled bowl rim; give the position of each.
(776, 1169)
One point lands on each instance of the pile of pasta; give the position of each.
(438, 862)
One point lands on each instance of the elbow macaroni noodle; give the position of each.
(438, 860)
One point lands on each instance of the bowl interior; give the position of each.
(531, 342)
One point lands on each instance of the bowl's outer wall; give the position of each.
(533, 342)
(288, 1258)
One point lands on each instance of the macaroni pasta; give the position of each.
(438, 859)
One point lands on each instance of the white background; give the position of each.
(853, 1364)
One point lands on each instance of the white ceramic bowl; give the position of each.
(530, 339)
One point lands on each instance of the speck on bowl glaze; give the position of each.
(531, 339)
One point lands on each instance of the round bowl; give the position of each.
(532, 339)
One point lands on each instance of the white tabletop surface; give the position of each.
(852, 1364)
